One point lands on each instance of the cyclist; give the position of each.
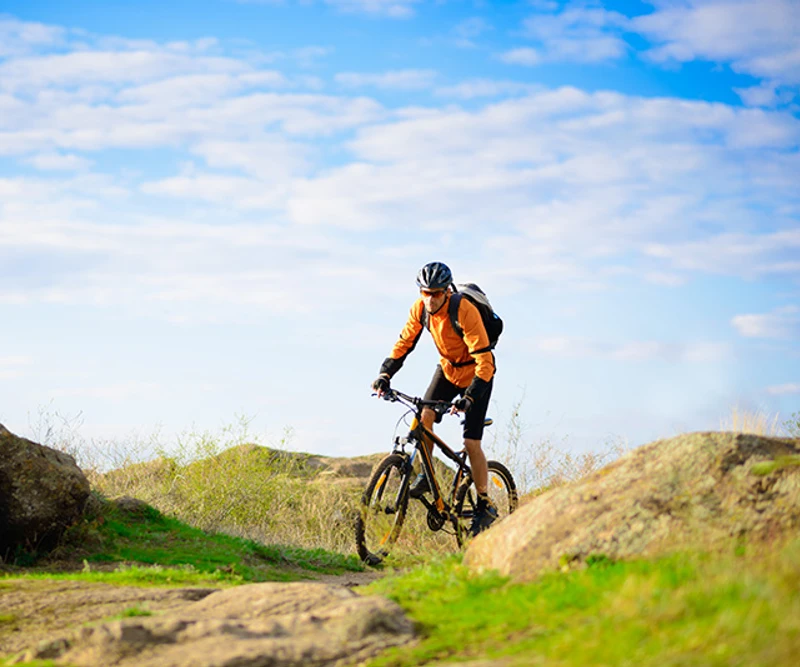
(466, 370)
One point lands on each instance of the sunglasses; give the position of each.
(429, 292)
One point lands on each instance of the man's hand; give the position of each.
(381, 384)
(462, 404)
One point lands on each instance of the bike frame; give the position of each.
(417, 435)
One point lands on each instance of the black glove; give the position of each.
(463, 404)
(381, 384)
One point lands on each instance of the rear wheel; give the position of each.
(383, 509)
(502, 491)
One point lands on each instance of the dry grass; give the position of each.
(756, 423)
(538, 466)
(223, 482)
(269, 495)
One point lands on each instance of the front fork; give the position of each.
(408, 467)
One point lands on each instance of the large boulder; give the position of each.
(707, 489)
(42, 491)
(272, 624)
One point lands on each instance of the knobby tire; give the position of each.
(383, 509)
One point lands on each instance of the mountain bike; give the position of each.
(385, 500)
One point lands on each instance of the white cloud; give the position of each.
(665, 279)
(468, 30)
(172, 120)
(210, 266)
(20, 37)
(577, 34)
(784, 389)
(635, 351)
(749, 255)
(757, 37)
(521, 56)
(474, 88)
(115, 67)
(782, 323)
(308, 56)
(58, 162)
(174, 92)
(594, 186)
(766, 94)
(398, 9)
(247, 193)
(398, 80)
(271, 157)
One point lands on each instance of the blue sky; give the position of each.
(211, 209)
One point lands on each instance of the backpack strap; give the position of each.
(455, 302)
(452, 311)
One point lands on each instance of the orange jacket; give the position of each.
(452, 348)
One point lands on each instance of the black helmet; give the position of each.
(434, 276)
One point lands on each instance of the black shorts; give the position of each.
(441, 389)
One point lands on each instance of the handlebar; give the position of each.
(439, 407)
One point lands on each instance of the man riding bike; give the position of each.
(466, 369)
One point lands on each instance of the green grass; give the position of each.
(139, 575)
(156, 539)
(133, 612)
(781, 462)
(686, 609)
(149, 548)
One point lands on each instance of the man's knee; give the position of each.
(428, 417)
(472, 445)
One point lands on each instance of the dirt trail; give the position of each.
(35, 612)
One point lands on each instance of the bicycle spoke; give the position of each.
(383, 510)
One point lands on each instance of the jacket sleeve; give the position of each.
(409, 337)
(476, 339)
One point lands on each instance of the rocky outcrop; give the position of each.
(42, 491)
(710, 489)
(258, 624)
(38, 611)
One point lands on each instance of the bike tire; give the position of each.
(383, 509)
(502, 490)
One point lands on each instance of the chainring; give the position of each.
(436, 519)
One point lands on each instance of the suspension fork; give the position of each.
(405, 480)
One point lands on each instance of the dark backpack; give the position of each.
(491, 320)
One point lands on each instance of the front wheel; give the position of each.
(383, 509)
(502, 491)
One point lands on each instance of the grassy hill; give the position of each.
(129, 541)
(270, 496)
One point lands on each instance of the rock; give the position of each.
(41, 612)
(695, 489)
(259, 624)
(42, 491)
(132, 506)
